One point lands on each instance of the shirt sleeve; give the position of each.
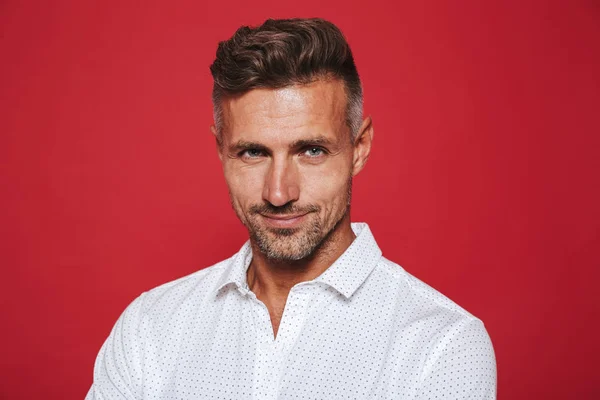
(118, 367)
(463, 366)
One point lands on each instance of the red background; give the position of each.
(483, 179)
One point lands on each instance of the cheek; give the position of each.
(327, 186)
(245, 185)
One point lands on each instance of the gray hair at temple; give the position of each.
(281, 53)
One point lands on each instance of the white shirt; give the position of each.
(364, 329)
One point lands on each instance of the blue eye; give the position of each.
(252, 153)
(314, 152)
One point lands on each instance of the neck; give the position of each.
(270, 279)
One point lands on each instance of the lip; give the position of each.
(284, 221)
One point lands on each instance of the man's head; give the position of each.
(288, 123)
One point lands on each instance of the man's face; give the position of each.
(288, 160)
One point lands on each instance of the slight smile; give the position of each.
(284, 220)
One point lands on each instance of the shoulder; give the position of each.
(161, 302)
(422, 295)
(153, 317)
(202, 281)
(449, 327)
(419, 306)
(455, 338)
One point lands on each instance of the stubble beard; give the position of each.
(288, 244)
(293, 244)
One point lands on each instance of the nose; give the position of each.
(281, 183)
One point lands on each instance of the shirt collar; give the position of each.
(353, 267)
(345, 275)
(235, 273)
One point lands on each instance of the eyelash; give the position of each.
(322, 151)
(244, 153)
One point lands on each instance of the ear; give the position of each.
(218, 141)
(362, 146)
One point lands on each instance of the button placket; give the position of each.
(265, 365)
(293, 321)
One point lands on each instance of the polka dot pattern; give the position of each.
(364, 329)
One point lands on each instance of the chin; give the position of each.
(285, 244)
(288, 255)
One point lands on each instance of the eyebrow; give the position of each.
(242, 145)
(319, 140)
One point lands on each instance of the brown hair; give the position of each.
(282, 53)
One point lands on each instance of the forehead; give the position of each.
(287, 114)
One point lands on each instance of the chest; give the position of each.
(325, 349)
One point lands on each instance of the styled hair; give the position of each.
(285, 52)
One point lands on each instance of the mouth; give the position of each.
(284, 220)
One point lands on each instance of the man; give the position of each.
(308, 308)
